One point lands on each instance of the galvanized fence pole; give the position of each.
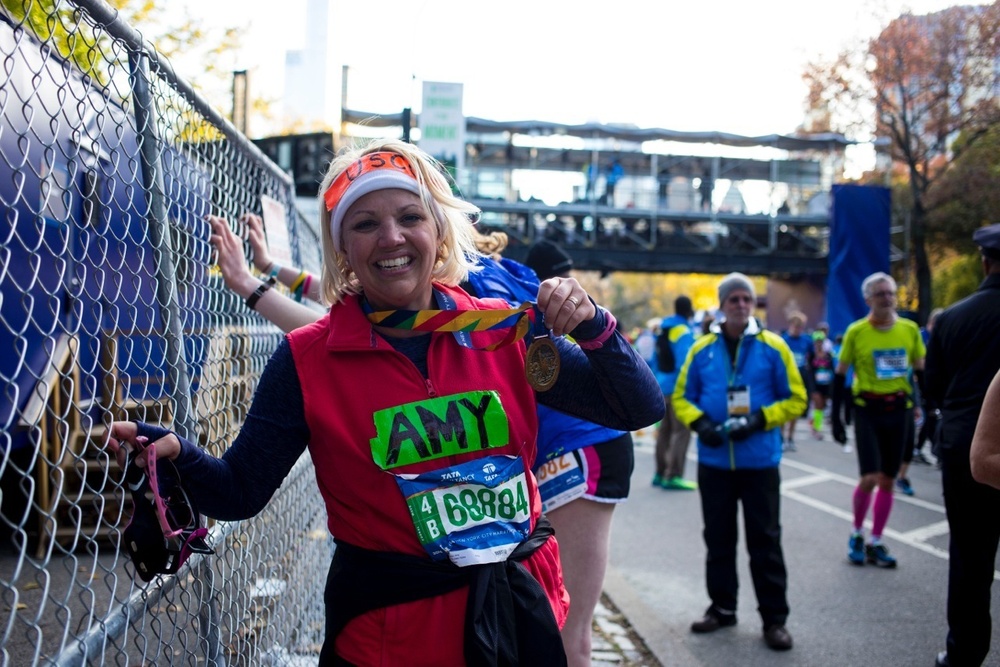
(157, 225)
(166, 291)
(107, 18)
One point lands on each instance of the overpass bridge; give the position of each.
(607, 239)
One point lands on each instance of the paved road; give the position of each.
(840, 614)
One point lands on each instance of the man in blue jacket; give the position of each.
(737, 386)
(673, 437)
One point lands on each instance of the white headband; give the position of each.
(380, 179)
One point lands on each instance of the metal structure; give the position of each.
(661, 218)
(606, 239)
(666, 214)
(111, 309)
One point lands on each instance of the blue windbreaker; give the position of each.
(765, 365)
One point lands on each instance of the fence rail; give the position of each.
(111, 308)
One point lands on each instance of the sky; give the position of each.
(710, 65)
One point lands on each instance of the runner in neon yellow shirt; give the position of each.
(883, 349)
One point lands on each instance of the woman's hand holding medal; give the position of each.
(564, 305)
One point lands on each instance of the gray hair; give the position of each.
(868, 286)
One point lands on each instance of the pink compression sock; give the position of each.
(880, 512)
(861, 501)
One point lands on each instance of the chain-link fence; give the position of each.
(110, 309)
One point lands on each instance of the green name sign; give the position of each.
(438, 427)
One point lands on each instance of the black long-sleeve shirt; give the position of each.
(963, 355)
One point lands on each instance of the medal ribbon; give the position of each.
(517, 322)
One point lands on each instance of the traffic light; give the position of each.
(304, 156)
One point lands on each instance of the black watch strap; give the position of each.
(259, 292)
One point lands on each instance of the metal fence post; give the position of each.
(166, 293)
(157, 225)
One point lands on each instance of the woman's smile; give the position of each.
(391, 243)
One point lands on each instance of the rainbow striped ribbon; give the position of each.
(515, 323)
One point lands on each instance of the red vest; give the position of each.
(348, 373)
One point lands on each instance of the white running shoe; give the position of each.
(848, 448)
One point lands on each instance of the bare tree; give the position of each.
(923, 82)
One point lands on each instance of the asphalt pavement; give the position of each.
(841, 614)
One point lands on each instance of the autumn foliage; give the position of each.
(927, 87)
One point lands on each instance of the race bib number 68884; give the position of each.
(477, 512)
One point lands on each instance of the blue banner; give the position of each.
(859, 246)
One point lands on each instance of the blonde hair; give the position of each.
(797, 316)
(492, 244)
(457, 253)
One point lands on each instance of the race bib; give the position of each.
(472, 513)
(824, 376)
(560, 480)
(800, 359)
(738, 401)
(890, 364)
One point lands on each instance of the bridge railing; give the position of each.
(669, 204)
(110, 309)
(651, 240)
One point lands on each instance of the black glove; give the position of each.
(709, 432)
(742, 428)
(839, 395)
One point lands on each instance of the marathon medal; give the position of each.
(541, 366)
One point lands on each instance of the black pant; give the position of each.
(758, 490)
(973, 511)
(928, 430)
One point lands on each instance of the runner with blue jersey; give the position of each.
(801, 345)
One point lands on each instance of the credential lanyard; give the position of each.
(735, 363)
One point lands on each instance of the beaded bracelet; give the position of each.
(259, 292)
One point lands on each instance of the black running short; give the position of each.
(881, 436)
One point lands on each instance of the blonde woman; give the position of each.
(412, 399)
